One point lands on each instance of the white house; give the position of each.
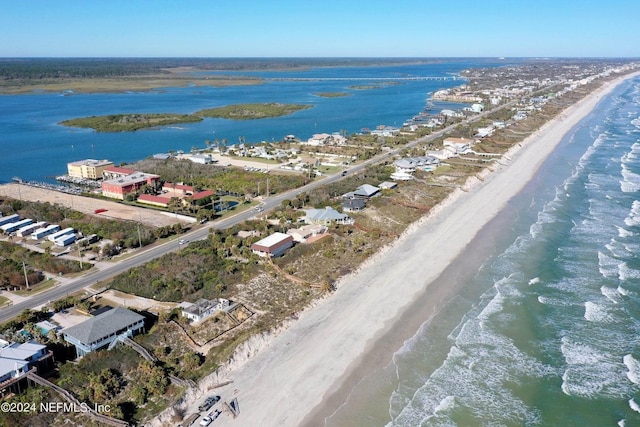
(457, 145)
(203, 308)
(300, 235)
(408, 165)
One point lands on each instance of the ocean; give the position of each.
(546, 331)
(36, 147)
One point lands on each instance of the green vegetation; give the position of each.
(332, 94)
(234, 181)
(133, 122)
(252, 111)
(129, 122)
(12, 273)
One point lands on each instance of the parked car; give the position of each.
(208, 403)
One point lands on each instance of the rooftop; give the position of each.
(103, 325)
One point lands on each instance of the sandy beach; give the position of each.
(302, 374)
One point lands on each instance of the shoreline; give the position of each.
(283, 385)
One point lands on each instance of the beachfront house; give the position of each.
(365, 191)
(327, 217)
(17, 359)
(408, 165)
(103, 330)
(353, 205)
(274, 245)
(457, 146)
(306, 232)
(203, 308)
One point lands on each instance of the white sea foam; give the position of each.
(623, 291)
(621, 423)
(591, 372)
(611, 294)
(623, 232)
(446, 404)
(608, 266)
(634, 215)
(560, 302)
(534, 281)
(633, 405)
(625, 272)
(631, 181)
(633, 366)
(596, 313)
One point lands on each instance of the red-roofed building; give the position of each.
(202, 195)
(112, 172)
(119, 187)
(160, 201)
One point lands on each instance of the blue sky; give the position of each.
(327, 28)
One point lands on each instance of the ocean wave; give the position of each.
(623, 291)
(633, 217)
(534, 281)
(608, 266)
(625, 272)
(633, 405)
(591, 372)
(631, 181)
(596, 313)
(633, 366)
(611, 294)
(623, 232)
(561, 302)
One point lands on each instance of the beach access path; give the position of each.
(297, 370)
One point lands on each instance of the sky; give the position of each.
(319, 28)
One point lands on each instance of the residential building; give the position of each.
(302, 234)
(17, 359)
(365, 191)
(327, 216)
(408, 165)
(118, 188)
(103, 330)
(388, 185)
(203, 308)
(274, 245)
(353, 205)
(88, 169)
(457, 145)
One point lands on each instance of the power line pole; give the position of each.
(26, 278)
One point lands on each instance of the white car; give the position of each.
(205, 421)
(183, 242)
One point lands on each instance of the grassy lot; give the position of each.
(42, 286)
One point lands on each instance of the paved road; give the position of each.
(150, 253)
